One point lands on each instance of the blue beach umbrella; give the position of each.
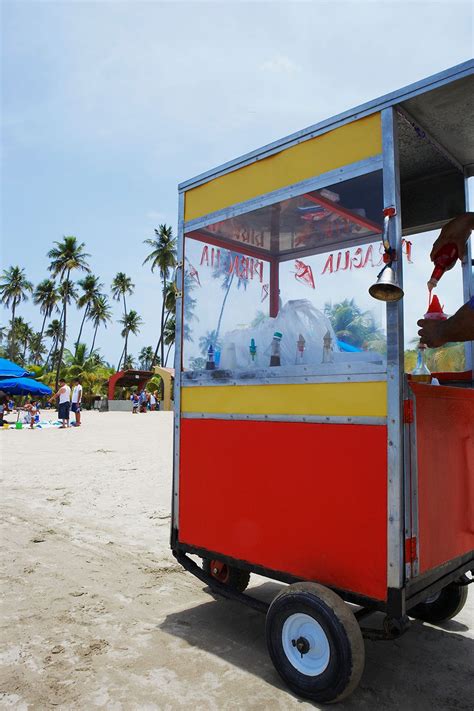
(24, 386)
(346, 347)
(8, 369)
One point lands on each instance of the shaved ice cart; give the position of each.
(303, 452)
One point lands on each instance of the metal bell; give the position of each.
(386, 288)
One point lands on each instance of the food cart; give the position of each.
(302, 450)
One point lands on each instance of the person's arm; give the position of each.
(457, 231)
(79, 396)
(53, 397)
(459, 327)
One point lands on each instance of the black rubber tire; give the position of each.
(235, 578)
(347, 653)
(448, 603)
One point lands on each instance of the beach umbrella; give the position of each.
(8, 369)
(24, 386)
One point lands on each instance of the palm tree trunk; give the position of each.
(168, 314)
(124, 352)
(155, 354)
(121, 357)
(93, 340)
(167, 354)
(163, 319)
(35, 358)
(223, 307)
(125, 348)
(12, 330)
(86, 311)
(63, 339)
(51, 350)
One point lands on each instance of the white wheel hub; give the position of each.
(305, 644)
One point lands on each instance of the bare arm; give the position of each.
(53, 397)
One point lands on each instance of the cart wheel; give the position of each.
(443, 605)
(315, 642)
(234, 577)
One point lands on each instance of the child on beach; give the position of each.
(30, 413)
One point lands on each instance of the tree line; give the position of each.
(45, 349)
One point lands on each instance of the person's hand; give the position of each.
(432, 332)
(457, 231)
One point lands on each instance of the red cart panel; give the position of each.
(305, 499)
(445, 444)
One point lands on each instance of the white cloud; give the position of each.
(280, 64)
(156, 216)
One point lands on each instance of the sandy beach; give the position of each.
(97, 614)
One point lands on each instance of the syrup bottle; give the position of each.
(421, 372)
(444, 260)
(275, 351)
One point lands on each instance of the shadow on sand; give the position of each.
(428, 668)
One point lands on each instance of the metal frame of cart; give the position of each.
(355, 143)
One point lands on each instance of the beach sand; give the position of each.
(97, 614)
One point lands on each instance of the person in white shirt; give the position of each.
(64, 395)
(77, 400)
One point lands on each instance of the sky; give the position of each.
(107, 106)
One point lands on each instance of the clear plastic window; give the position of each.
(450, 357)
(287, 284)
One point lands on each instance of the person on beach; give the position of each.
(77, 401)
(152, 402)
(459, 327)
(30, 413)
(134, 399)
(3, 410)
(64, 395)
(143, 400)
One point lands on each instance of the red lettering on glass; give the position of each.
(357, 255)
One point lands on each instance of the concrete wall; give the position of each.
(120, 406)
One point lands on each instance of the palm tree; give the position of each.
(53, 331)
(131, 324)
(129, 362)
(22, 332)
(99, 313)
(354, 326)
(66, 256)
(223, 270)
(169, 335)
(91, 287)
(209, 339)
(46, 297)
(122, 285)
(145, 357)
(14, 288)
(163, 258)
(37, 349)
(89, 367)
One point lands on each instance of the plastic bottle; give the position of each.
(210, 365)
(327, 348)
(275, 349)
(300, 347)
(252, 351)
(444, 260)
(421, 372)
